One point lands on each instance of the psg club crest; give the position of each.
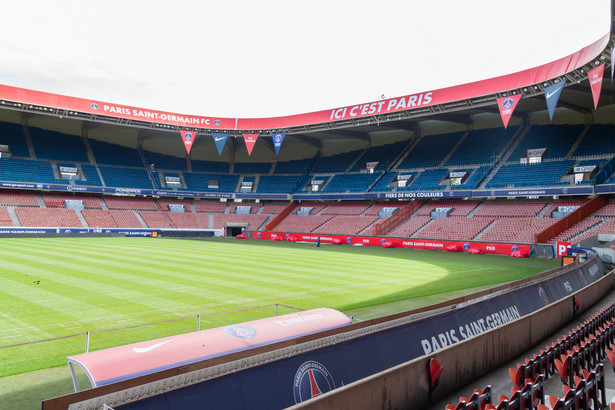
(94, 106)
(240, 331)
(188, 136)
(217, 122)
(311, 380)
(508, 103)
(466, 246)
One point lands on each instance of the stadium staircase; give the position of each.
(393, 221)
(26, 133)
(578, 141)
(571, 219)
(280, 217)
(81, 218)
(477, 237)
(452, 151)
(14, 218)
(506, 152)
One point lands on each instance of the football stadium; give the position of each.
(452, 248)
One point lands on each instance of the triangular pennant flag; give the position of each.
(595, 82)
(507, 106)
(188, 138)
(552, 94)
(278, 138)
(250, 140)
(220, 139)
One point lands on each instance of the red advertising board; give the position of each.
(561, 248)
(486, 247)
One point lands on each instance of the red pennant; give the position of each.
(595, 82)
(507, 106)
(250, 140)
(188, 138)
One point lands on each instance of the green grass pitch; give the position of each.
(91, 284)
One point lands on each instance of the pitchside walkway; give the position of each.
(500, 380)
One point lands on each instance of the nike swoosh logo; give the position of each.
(218, 139)
(150, 348)
(551, 93)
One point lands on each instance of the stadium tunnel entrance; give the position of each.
(235, 228)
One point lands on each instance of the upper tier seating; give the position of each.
(385, 155)
(252, 168)
(481, 146)
(126, 177)
(91, 176)
(427, 180)
(531, 175)
(350, 182)
(599, 140)
(48, 217)
(346, 225)
(114, 154)
(475, 179)
(200, 182)
(13, 136)
(292, 167)
(210, 166)
(57, 146)
(430, 151)
(336, 163)
(383, 183)
(162, 161)
(557, 138)
(277, 183)
(28, 170)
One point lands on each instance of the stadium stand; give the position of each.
(520, 229)
(113, 154)
(253, 221)
(91, 176)
(351, 208)
(162, 161)
(5, 217)
(292, 167)
(53, 145)
(13, 136)
(375, 208)
(346, 225)
(201, 206)
(531, 175)
(28, 170)
(409, 227)
(210, 166)
(273, 208)
(277, 183)
(459, 208)
(383, 184)
(126, 219)
(252, 168)
(57, 199)
(301, 223)
(126, 177)
(351, 182)
(557, 138)
(477, 176)
(385, 155)
(481, 146)
(18, 198)
(156, 219)
(336, 163)
(430, 151)
(501, 209)
(599, 140)
(47, 217)
(453, 228)
(100, 218)
(164, 204)
(186, 220)
(428, 180)
(232, 208)
(115, 202)
(203, 182)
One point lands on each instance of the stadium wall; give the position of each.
(406, 385)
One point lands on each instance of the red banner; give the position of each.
(250, 140)
(507, 107)
(188, 138)
(496, 248)
(561, 248)
(445, 95)
(595, 82)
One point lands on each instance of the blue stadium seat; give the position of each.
(13, 136)
(430, 151)
(57, 146)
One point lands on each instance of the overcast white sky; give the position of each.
(247, 58)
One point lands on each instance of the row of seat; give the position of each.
(577, 359)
